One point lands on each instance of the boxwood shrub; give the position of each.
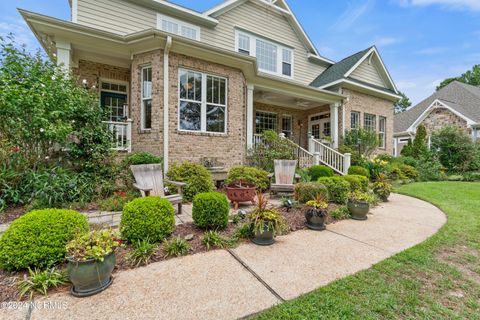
(142, 158)
(320, 171)
(150, 218)
(210, 210)
(249, 174)
(357, 182)
(39, 238)
(307, 191)
(197, 178)
(358, 170)
(338, 188)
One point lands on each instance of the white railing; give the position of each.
(305, 158)
(328, 156)
(257, 139)
(122, 134)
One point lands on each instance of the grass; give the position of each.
(437, 279)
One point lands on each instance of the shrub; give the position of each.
(338, 189)
(365, 141)
(39, 238)
(150, 218)
(116, 201)
(356, 158)
(455, 177)
(197, 178)
(455, 149)
(419, 144)
(307, 191)
(394, 172)
(430, 169)
(142, 252)
(210, 210)
(320, 171)
(249, 174)
(142, 158)
(357, 182)
(471, 176)
(340, 213)
(176, 247)
(272, 148)
(357, 170)
(409, 171)
(40, 281)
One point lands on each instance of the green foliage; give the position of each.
(243, 232)
(176, 247)
(94, 245)
(358, 196)
(455, 149)
(213, 239)
(409, 171)
(430, 169)
(210, 210)
(407, 150)
(365, 141)
(341, 213)
(358, 170)
(39, 238)
(49, 124)
(142, 158)
(471, 176)
(355, 156)
(382, 188)
(249, 174)
(419, 145)
(455, 177)
(357, 182)
(142, 252)
(337, 187)
(40, 281)
(318, 203)
(116, 201)
(403, 104)
(150, 218)
(304, 175)
(307, 191)
(197, 178)
(272, 148)
(471, 77)
(266, 219)
(319, 171)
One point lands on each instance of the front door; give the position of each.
(116, 106)
(320, 126)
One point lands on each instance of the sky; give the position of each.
(422, 42)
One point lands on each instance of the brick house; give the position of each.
(187, 85)
(457, 104)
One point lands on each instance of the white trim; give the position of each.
(126, 93)
(179, 9)
(373, 50)
(361, 86)
(250, 115)
(142, 99)
(75, 11)
(166, 94)
(384, 132)
(180, 24)
(434, 105)
(310, 122)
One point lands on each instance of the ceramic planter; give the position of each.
(315, 219)
(238, 193)
(358, 209)
(90, 277)
(265, 238)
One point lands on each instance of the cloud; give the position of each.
(20, 31)
(352, 14)
(473, 5)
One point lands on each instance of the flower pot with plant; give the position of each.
(266, 222)
(359, 205)
(382, 188)
(91, 259)
(316, 213)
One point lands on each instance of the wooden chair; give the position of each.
(284, 176)
(149, 180)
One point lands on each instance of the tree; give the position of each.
(403, 104)
(407, 151)
(419, 145)
(365, 141)
(471, 77)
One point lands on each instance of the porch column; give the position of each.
(250, 88)
(334, 123)
(63, 53)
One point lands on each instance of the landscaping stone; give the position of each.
(189, 237)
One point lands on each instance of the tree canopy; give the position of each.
(471, 77)
(403, 104)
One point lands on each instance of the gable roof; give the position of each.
(281, 6)
(463, 98)
(342, 70)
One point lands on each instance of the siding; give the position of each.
(115, 16)
(367, 72)
(271, 25)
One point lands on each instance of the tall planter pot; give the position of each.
(316, 219)
(265, 238)
(90, 277)
(358, 209)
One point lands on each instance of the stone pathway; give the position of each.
(236, 283)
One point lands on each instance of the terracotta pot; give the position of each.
(359, 210)
(316, 219)
(241, 192)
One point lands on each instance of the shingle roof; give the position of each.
(461, 97)
(337, 71)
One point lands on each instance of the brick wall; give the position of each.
(93, 72)
(364, 103)
(440, 118)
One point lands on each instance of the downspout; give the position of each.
(166, 90)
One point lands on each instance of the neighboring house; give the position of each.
(457, 104)
(188, 85)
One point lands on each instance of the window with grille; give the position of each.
(382, 125)
(355, 120)
(267, 56)
(178, 27)
(244, 44)
(146, 110)
(287, 125)
(265, 121)
(369, 122)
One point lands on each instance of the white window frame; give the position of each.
(290, 117)
(374, 121)
(180, 23)
(280, 48)
(404, 140)
(382, 134)
(359, 120)
(143, 99)
(118, 82)
(203, 103)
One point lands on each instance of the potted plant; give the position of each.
(359, 204)
(382, 188)
(316, 213)
(91, 259)
(266, 222)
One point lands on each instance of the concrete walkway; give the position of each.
(232, 284)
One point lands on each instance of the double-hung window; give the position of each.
(178, 27)
(265, 121)
(146, 107)
(355, 120)
(287, 125)
(203, 102)
(272, 57)
(369, 122)
(382, 125)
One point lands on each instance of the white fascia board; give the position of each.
(223, 7)
(340, 81)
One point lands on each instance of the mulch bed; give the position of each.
(11, 214)
(294, 217)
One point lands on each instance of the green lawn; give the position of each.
(438, 279)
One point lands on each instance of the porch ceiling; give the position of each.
(285, 100)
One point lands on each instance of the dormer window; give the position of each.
(271, 57)
(178, 27)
